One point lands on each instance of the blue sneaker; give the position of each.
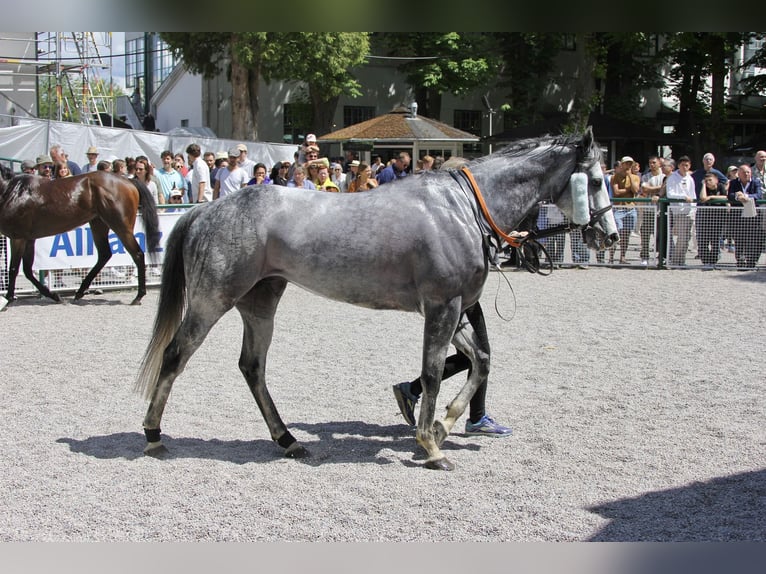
(406, 401)
(486, 427)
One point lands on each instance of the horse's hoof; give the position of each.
(440, 464)
(136, 302)
(295, 450)
(156, 450)
(440, 433)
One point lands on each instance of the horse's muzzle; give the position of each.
(611, 239)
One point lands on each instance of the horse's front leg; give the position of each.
(440, 323)
(17, 250)
(28, 249)
(258, 308)
(471, 339)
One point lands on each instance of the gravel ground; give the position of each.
(636, 399)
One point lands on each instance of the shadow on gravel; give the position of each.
(338, 442)
(730, 508)
(35, 301)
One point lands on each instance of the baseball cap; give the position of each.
(234, 152)
(626, 159)
(241, 147)
(311, 138)
(27, 164)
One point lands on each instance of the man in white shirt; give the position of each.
(92, 164)
(679, 185)
(201, 189)
(244, 162)
(230, 178)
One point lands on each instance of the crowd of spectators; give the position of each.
(196, 176)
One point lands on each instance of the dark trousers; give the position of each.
(748, 238)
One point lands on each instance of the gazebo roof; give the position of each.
(399, 125)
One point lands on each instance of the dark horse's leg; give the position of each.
(257, 309)
(100, 233)
(23, 252)
(440, 323)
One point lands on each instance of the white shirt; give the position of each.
(230, 180)
(679, 186)
(201, 173)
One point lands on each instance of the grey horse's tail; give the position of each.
(170, 307)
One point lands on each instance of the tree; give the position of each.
(454, 62)
(694, 56)
(322, 60)
(526, 71)
(206, 53)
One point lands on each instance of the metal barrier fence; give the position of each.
(65, 279)
(653, 235)
(667, 234)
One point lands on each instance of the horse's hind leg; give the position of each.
(257, 309)
(200, 318)
(131, 246)
(100, 233)
(471, 339)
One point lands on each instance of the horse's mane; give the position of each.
(20, 183)
(543, 143)
(5, 174)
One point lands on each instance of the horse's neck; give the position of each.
(512, 190)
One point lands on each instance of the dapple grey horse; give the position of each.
(421, 244)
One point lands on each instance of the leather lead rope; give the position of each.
(513, 241)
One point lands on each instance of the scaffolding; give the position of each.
(76, 73)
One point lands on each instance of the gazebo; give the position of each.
(400, 130)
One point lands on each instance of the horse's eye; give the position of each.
(596, 182)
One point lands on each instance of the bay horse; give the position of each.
(32, 207)
(421, 244)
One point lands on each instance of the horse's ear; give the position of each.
(587, 138)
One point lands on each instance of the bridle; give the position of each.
(530, 257)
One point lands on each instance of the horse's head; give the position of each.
(585, 200)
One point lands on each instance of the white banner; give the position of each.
(75, 248)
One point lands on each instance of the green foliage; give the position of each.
(71, 100)
(455, 62)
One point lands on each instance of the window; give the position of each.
(355, 114)
(569, 42)
(134, 63)
(296, 122)
(652, 46)
(750, 50)
(468, 121)
(164, 62)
